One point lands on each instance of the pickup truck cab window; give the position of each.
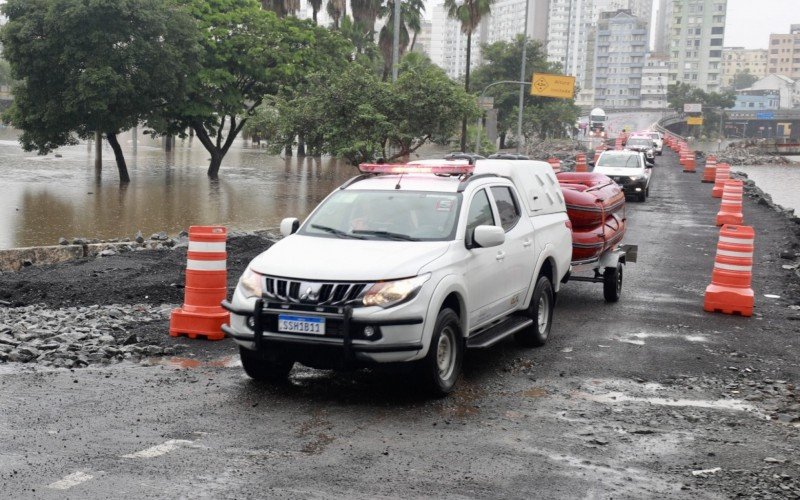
(480, 214)
(507, 206)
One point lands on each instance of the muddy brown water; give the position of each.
(45, 197)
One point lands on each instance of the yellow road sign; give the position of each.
(547, 85)
(694, 120)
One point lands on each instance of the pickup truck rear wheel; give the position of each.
(541, 312)
(271, 367)
(442, 365)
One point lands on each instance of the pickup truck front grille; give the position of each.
(313, 292)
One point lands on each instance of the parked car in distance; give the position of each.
(629, 170)
(408, 264)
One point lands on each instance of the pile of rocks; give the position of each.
(551, 148)
(749, 153)
(75, 337)
(113, 246)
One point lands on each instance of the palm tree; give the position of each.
(316, 6)
(336, 9)
(411, 17)
(282, 8)
(365, 13)
(469, 13)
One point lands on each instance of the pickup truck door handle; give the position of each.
(500, 256)
(526, 243)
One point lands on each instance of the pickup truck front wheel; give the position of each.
(442, 365)
(270, 367)
(541, 312)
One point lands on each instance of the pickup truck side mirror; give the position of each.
(488, 236)
(289, 226)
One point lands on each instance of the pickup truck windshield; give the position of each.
(619, 161)
(386, 215)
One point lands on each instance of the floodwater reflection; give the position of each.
(45, 197)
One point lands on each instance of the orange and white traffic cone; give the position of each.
(206, 286)
(580, 163)
(555, 163)
(722, 174)
(729, 291)
(710, 170)
(690, 162)
(730, 210)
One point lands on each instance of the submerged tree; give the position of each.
(94, 67)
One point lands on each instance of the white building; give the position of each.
(568, 28)
(448, 46)
(697, 34)
(787, 88)
(655, 77)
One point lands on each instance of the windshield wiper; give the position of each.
(337, 232)
(386, 234)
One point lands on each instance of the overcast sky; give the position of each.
(750, 22)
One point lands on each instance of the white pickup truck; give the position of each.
(408, 263)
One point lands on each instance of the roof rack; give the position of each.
(508, 156)
(460, 155)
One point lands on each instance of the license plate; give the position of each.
(301, 324)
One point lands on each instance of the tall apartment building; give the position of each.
(643, 9)
(784, 53)
(662, 28)
(423, 43)
(506, 20)
(697, 33)
(740, 60)
(568, 27)
(655, 78)
(621, 46)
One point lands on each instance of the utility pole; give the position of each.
(396, 41)
(522, 76)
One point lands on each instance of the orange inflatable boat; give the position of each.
(590, 198)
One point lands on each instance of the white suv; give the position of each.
(410, 263)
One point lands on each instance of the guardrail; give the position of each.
(666, 121)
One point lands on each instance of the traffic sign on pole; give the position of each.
(547, 85)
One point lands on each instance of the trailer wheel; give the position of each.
(612, 283)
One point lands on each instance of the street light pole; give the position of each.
(522, 75)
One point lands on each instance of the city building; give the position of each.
(621, 45)
(655, 78)
(568, 27)
(740, 60)
(784, 53)
(697, 33)
(786, 88)
(662, 28)
(423, 43)
(643, 9)
(757, 100)
(447, 46)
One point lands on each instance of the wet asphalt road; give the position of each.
(626, 401)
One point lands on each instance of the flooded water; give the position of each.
(45, 197)
(780, 181)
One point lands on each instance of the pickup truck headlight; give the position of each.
(250, 284)
(390, 293)
(637, 178)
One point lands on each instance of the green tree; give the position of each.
(502, 62)
(5, 73)
(743, 80)
(357, 116)
(100, 66)
(247, 54)
(469, 13)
